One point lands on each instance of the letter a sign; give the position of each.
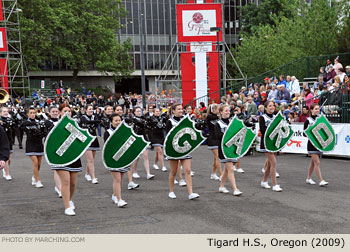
(66, 143)
(321, 134)
(122, 148)
(182, 139)
(237, 139)
(277, 134)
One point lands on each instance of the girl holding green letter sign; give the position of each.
(315, 160)
(220, 128)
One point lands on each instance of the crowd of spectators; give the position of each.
(291, 97)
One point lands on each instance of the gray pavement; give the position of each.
(300, 208)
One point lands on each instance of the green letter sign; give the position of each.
(122, 148)
(237, 139)
(321, 134)
(277, 134)
(182, 139)
(66, 142)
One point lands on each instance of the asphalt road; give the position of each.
(300, 208)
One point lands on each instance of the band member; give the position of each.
(315, 160)
(19, 117)
(4, 148)
(8, 125)
(139, 125)
(156, 135)
(105, 118)
(213, 144)
(176, 112)
(54, 114)
(68, 175)
(219, 129)
(90, 122)
(271, 163)
(36, 131)
(131, 185)
(119, 174)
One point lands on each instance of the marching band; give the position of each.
(154, 126)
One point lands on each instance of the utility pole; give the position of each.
(142, 57)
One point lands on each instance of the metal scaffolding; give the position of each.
(15, 65)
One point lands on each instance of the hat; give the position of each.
(243, 87)
(250, 85)
(267, 78)
(347, 67)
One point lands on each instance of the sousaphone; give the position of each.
(4, 96)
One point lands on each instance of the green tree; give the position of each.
(78, 33)
(312, 30)
(253, 15)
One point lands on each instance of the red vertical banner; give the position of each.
(188, 77)
(1, 12)
(213, 77)
(4, 74)
(3, 42)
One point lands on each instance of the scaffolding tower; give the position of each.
(17, 80)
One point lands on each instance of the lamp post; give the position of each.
(217, 30)
(142, 58)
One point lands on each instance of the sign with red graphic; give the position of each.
(195, 20)
(3, 43)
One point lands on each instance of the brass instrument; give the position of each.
(39, 112)
(4, 96)
(76, 109)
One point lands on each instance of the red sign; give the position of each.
(1, 12)
(3, 43)
(195, 20)
(4, 73)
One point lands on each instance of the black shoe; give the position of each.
(21, 147)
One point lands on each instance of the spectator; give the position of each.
(308, 97)
(337, 65)
(322, 72)
(330, 74)
(346, 86)
(328, 66)
(317, 83)
(289, 83)
(283, 95)
(121, 101)
(250, 90)
(251, 107)
(285, 110)
(333, 100)
(295, 86)
(341, 74)
(295, 108)
(202, 107)
(267, 81)
(291, 117)
(257, 99)
(260, 110)
(273, 93)
(282, 81)
(347, 70)
(304, 115)
(223, 100)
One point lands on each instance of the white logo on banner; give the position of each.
(198, 22)
(201, 47)
(1, 40)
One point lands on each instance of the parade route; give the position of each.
(300, 208)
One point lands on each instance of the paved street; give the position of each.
(300, 208)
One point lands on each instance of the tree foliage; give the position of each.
(312, 30)
(254, 15)
(78, 33)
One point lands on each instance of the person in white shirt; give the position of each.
(295, 86)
